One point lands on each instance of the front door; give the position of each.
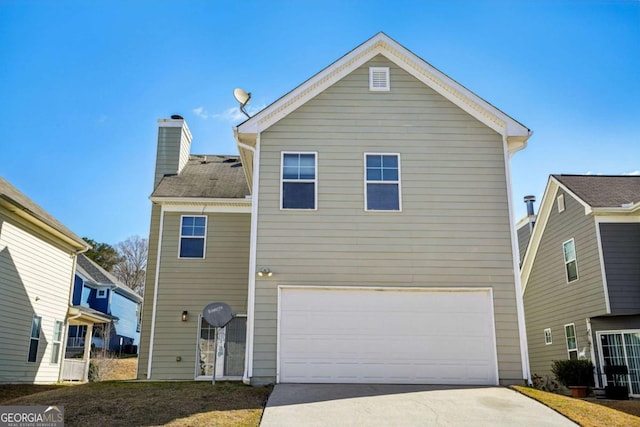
(622, 348)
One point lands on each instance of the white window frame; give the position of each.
(58, 329)
(385, 70)
(548, 337)
(313, 181)
(561, 203)
(32, 338)
(219, 367)
(204, 243)
(621, 332)
(566, 340)
(101, 293)
(399, 182)
(566, 262)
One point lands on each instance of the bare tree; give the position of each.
(131, 270)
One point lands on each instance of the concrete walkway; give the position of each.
(403, 405)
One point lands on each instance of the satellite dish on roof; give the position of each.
(243, 99)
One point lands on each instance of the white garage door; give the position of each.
(386, 336)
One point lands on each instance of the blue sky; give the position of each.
(83, 83)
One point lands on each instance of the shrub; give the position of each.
(573, 372)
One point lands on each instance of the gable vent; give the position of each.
(379, 79)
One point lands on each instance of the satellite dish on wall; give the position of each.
(218, 314)
(243, 99)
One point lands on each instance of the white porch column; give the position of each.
(87, 351)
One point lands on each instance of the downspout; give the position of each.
(155, 294)
(251, 294)
(524, 351)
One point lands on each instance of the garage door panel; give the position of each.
(386, 336)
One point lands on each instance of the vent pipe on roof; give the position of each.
(530, 200)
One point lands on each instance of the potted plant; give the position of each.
(576, 375)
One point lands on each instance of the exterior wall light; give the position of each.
(185, 316)
(265, 272)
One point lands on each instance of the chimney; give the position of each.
(174, 145)
(530, 200)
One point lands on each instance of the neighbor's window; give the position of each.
(298, 181)
(572, 342)
(571, 266)
(101, 293)
(382, 182)
(57, 339)
(548, 339)
(36, 324)
(193, 236)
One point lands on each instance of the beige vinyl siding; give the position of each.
(190, 284)
(35, 278)
(551, 302)
(173, 151)
(149, 290)
(453, 230)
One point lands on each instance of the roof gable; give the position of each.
(514, 133)
(598, 194)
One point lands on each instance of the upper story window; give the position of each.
(379, 79)
(299, 181)
(382, 182)
(571, 265)
(193, 232)
(561, 203)
(572, 341)
(34, 341)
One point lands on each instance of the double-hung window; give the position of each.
(57, 340)
(548, 338)
(299, 181)
(193, 232)
(382, 182)
(570, 263)
(572, 342)
(34, 341)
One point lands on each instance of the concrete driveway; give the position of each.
(403, 405)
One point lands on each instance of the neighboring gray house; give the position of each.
(581, 275)
(344, 234)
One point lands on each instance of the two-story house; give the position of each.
(581, 275)
(97, 289)
(343, 236)
(37, 260)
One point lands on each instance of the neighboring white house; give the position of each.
(37, 257)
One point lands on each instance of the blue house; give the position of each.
(97, 290)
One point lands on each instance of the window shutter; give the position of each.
(379, 79)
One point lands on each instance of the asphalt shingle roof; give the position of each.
(603, 191)
(93, 271)
(209, 176)
(16, 197)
